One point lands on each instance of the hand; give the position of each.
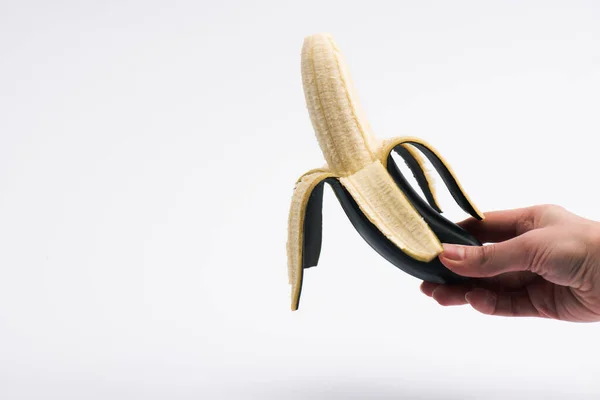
(540, 261)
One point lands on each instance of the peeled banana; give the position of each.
(380, 203)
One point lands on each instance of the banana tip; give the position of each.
(318, 35)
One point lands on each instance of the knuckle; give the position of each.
(549, 213)
(544, 305)
(574, 254)
(587, 278)
(537, 259)
(535, 256)
(566, 254)
(550, 208)
(525, 223)
(485, 255)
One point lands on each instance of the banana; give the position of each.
(378, 200)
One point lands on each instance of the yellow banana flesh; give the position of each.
(341, 129)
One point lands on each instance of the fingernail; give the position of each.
(469, 297)
(453, 252)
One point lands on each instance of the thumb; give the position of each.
(515, 254)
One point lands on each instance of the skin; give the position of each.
(541, 261)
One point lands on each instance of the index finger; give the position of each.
(498, 226)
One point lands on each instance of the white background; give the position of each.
(148, 151)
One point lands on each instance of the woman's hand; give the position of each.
(541, 261)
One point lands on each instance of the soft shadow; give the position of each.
(345, 390)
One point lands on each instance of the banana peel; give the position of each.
(383, 207)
